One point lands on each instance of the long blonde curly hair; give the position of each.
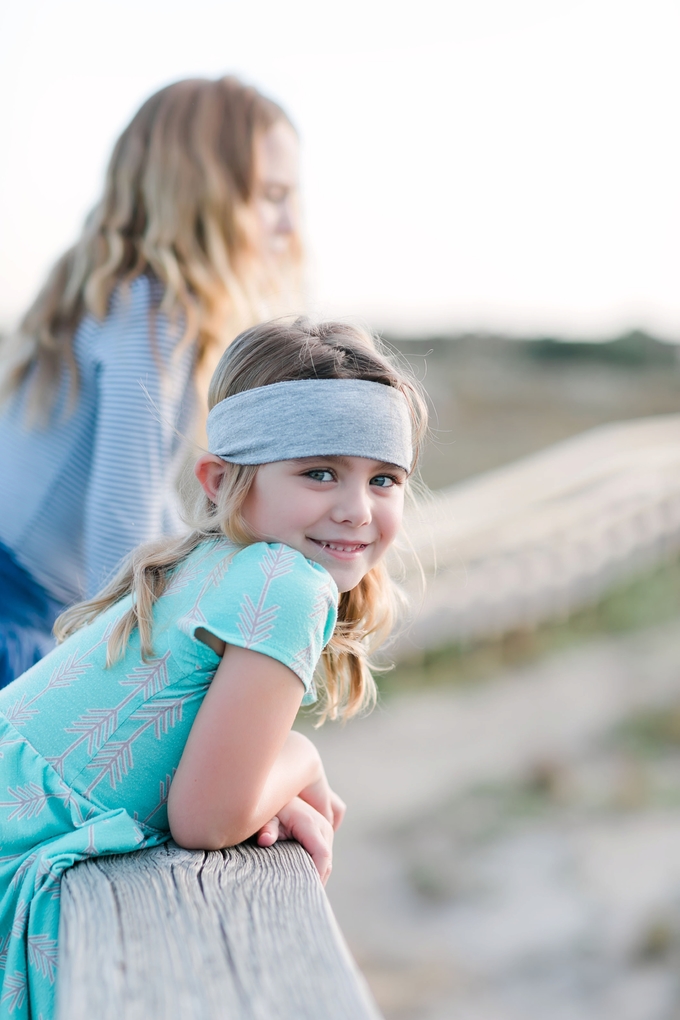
(268, 353)
(176, 206)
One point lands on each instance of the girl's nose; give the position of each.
(353, 506)
(285, 223)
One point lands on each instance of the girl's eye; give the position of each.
(384, 481)
(275, 193)
(320, 475)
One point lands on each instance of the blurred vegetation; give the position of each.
(653, 598)
(494, 400)
(633, 349)
(652, 733)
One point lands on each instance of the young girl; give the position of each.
(195, 238)
(167, 710)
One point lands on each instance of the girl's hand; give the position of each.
(270, 832)
(338, 808)
(300, 821)
(324, 800)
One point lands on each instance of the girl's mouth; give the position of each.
(341, 549)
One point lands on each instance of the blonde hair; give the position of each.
(273, 352)
(175, 206)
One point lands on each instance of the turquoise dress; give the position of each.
(87, 754)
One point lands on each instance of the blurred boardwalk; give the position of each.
(548, 534)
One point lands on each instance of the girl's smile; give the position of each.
(341, 550)
(342, 512)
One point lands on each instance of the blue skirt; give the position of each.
(27, 615)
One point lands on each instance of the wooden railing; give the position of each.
(172, 934)
(546, 535)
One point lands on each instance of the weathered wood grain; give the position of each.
(244, 933)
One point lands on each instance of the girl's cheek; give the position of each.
(395, 523)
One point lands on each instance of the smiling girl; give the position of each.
(167, 710)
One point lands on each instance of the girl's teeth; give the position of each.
(342, 548)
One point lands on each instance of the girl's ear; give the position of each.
(210, 470)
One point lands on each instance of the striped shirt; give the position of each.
(77, 496)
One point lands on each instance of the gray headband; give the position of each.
(313, 418)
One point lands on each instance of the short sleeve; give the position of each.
(271, 599)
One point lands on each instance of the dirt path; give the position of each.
(510, 851)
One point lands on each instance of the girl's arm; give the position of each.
(242, 763)
(129, 490)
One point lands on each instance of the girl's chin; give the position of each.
(346, 576)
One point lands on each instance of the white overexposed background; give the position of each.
(510, 165)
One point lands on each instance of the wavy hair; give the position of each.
(268, 353)
(176, 206)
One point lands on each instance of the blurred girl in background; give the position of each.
(195, 238)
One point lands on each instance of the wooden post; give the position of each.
(171, 934)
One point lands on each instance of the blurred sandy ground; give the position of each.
(512, 849)
(512, 845)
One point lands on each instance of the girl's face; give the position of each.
(274, 200)
(342, 512)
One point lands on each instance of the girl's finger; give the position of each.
(313, 832)
(338, 808)
(320, 852)
(317, 839)
(318, 796)
(269, 833)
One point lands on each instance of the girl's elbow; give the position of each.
(189, 837)
(205, 834)
(197, 840)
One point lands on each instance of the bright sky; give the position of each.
(501, 164)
